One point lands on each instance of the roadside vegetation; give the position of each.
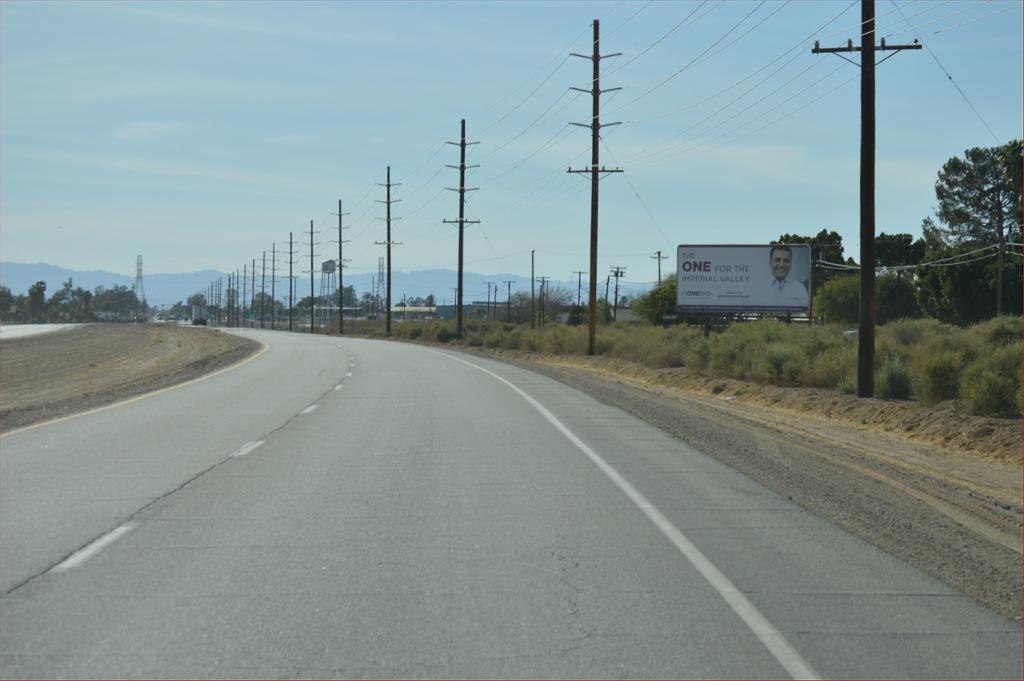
(977, 367)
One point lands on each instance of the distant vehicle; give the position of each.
(198, 315)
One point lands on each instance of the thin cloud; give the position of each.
(141, 131)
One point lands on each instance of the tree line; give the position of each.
(70, 303)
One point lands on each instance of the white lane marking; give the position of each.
(308, 409)
(84, 554)
(770, 637)
(246, 448)
(337, 387)
(348, 374)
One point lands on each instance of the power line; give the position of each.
(669, 78)
(948, 75)
(670, 32)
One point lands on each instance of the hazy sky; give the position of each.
(198, 134)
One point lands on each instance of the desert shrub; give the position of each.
(445, 334)
(936, 375)
(893, 379)
(698, 355)
(831, 367)
(991, 385)
(414, 332)
(915, 331)
(997, 331)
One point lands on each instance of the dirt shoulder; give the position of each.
(53, 375)
(940, 490)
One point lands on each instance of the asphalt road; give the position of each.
(356, 508)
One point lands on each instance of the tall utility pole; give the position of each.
(291, 278)
(533, 281)
(252, 293)
(462, 221)
(579, 287)
(487, 310)
(595, 171)
(543, 286)
(273, 287)
(617, 272)
(866, 328)
(659, 257)
(389, 243)
(263, 287)
(312, 269)
(607, 281)
(239, 312)
(245, 281)
(508, 302)
(341, 272)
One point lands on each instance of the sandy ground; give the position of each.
(56, 374)
(937, 489)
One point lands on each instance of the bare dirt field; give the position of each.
(90, 365)
(935, 488)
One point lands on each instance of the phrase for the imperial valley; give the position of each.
(694, 270)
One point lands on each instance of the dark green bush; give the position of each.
(991, 385)
(937, 375)
(893, 379)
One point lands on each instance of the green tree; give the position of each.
(895, 299)
(658, 306)
(37, 301)
(964, 292)
(898, 249)
(980, 201)
(197, 299)
(838, 301)
(8, 307)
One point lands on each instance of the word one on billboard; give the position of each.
(744, 278)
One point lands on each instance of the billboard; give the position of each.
(732, 278)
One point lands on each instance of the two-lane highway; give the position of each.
(350, 508)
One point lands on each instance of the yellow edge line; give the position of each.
(143, 396)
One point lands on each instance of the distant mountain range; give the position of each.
(167, 289)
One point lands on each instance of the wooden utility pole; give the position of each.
(341, 272)
(543, 286)
(273, 285)
(263, 287)
(533, 282)
(462, 221)
(245, 280)
(508, 302)
(617, 272)
(252, 293)
(595, 171)
(579, 287)
(291, 279)
(388, 243)
(312, 269)
(867, 48)
(659, 257)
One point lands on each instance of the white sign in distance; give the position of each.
(734, 278)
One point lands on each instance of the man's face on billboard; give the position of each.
(781, 262)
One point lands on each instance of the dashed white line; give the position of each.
(337, 387)
(84, 554)
(348, 374)
(246, 448)
(308, 409)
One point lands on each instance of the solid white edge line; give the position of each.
(308, 409)
(84, 554)
(246, 448)
(770, 637)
